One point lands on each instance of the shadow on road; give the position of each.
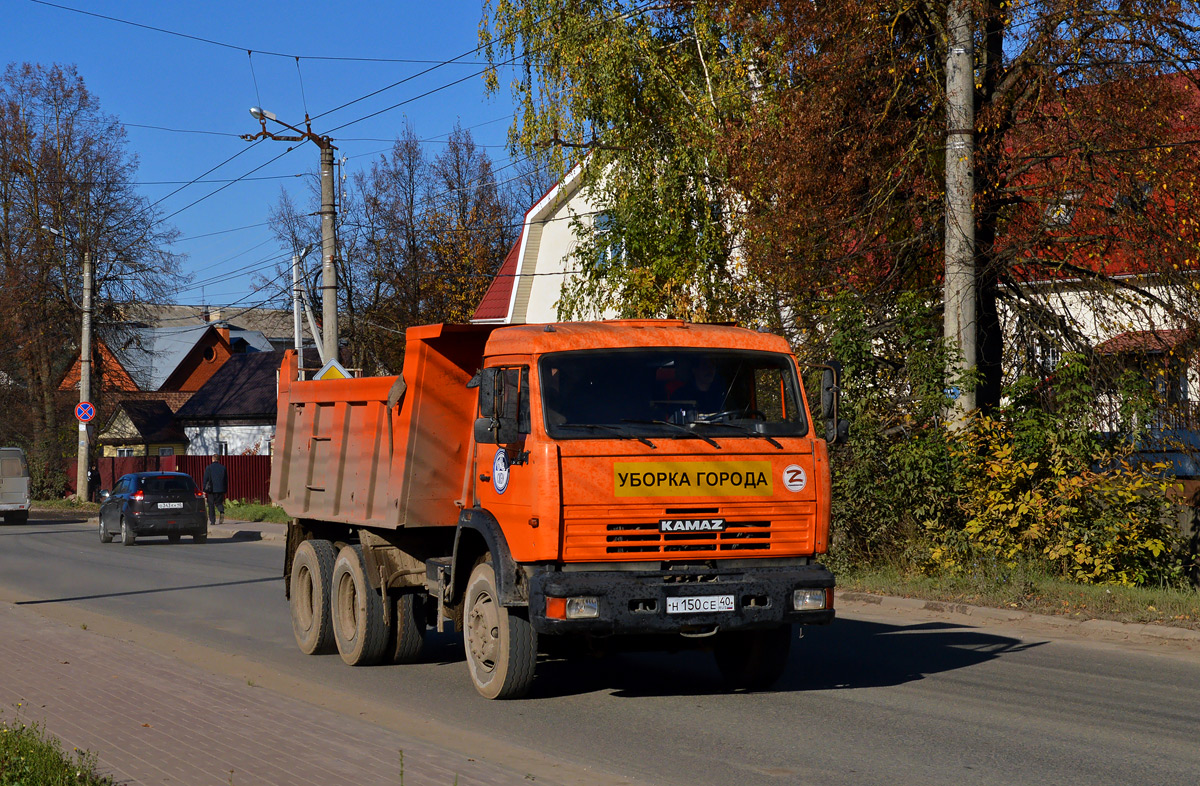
(148, 591)
(848, 654)
(25, 531)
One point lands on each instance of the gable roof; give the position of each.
(152, 419)
(273, 323)
(151, 354)
(245, 387)
(494, 305)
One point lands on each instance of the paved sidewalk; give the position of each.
(152, 719)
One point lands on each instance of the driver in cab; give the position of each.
(705, 387)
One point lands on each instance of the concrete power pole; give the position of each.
(329, 304)
(85, 377)
(960, 321)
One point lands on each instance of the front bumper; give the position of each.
(634, 602)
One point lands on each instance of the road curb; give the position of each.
(1107, 629)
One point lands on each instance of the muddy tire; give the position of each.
(501, 644)
(200, 537)
(755, 659)
(105, 535)
(407, 641)
(358, 626)
(311, 583)
(127, 536)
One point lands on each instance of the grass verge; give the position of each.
(30, 756)
(70, 503)
(255, 511)
(1028, 590)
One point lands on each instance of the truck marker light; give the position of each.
(556, 608)
(582, 608)
(808, 599)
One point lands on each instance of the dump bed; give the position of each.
(342, 454)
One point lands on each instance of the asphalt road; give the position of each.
(876, 698)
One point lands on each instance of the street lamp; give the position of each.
(329, 315)
(85, 366)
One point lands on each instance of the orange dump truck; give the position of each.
(647, 482)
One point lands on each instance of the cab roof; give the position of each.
(538, 339)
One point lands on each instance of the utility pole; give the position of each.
(329, 315)
(85, 377)
(296, 308)
(960, 323)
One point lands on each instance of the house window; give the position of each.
(166, 451)
(1061, 211)
(1133, 200)
(609, 249)
(125, 453)
(222, 448)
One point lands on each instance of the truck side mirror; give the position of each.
(503, 406)
(837, 429)
(487, 379)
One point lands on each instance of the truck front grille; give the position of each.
(645, 538)
(599, 533)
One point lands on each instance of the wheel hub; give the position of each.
(483, 627)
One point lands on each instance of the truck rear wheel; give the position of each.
(407, 641)
(753, 659)
(501, 644)
(311, 581)
(358, 626)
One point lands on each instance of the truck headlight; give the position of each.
(582, 608)
(808, 599)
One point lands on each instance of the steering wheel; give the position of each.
(730, 414)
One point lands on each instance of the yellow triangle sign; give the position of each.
(332, 370)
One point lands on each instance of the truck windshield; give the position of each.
(653, 392)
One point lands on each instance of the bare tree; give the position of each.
(65, 166)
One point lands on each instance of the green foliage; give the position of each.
(30, 757)
(1029, 485)
(255, 511)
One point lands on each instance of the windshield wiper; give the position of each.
(675, 426)
(741, 428)
(608, 427)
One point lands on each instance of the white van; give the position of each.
(14, 486)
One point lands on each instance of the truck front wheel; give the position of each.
(501, 644)
(311, 581)
(753, 659)
(358, 626)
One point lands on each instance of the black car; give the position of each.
(153, 503)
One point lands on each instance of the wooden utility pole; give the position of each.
(960, 321)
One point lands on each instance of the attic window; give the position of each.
(1133, 200)
(1061, 211)
(210, 354)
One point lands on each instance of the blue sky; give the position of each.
(150, 78)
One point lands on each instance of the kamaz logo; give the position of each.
(691, 525)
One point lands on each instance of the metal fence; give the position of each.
(249, 476)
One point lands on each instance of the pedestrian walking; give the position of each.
(216, 483)
(93, 481)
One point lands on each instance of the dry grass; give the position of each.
(1027, 590)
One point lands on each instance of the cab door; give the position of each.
(505, 472)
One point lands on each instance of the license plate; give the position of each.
(700, 604)
(170, 505)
